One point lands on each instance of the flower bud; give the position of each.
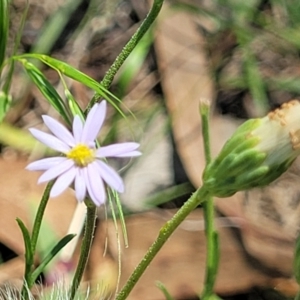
(257, 153)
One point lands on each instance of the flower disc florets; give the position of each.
(83, 162)
(258, 152)
(280, 133)
(82, 155)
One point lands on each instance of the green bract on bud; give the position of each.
(258, 152)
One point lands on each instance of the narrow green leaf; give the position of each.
(27, 241)
(46, 89)
(4, 19)
(63, 242)
(28, 251)
(77, 75)
(73, 73)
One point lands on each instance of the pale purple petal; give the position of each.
(56, 170)
(45, 163)
(80, 186)
(59, 130)
(63, 182)
(50, 140)
(130, 154)
(94, 122)
(110, 176)
(77, 128)
(118, 150)
(94, 184)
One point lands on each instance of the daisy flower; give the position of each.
(82, 162)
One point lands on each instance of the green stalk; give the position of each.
(165, 232)
(39, 217)
(85, 248)
(4, 24)
(212, 242)
(128, 48)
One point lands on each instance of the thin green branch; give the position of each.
(212, 241)
(165, 232)
(85, 248)
(39, 217)
(128, 48)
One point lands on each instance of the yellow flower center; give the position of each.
(82, 155)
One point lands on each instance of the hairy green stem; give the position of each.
(212, 242)
(212, 249)
(128, 48)
(165, 232)
(85, 248)
(39, 216)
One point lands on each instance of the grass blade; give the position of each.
(4, 16)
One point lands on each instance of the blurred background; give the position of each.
(242, 57)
